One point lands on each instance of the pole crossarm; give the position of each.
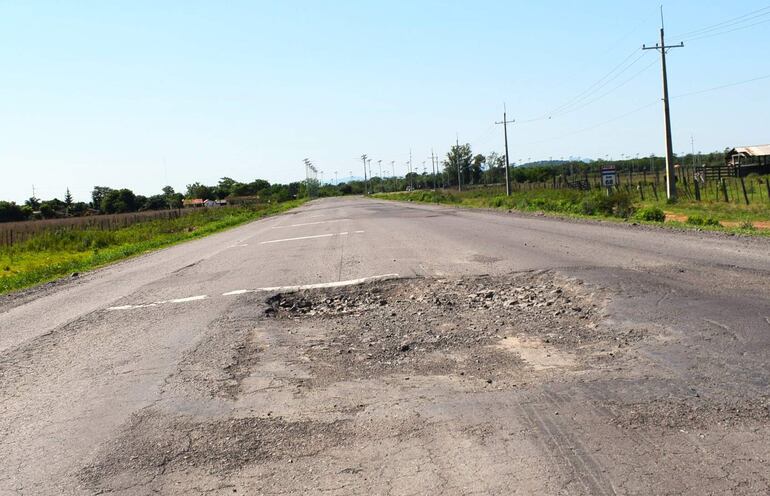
(658, 46)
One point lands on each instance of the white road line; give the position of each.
(336, 284)
(304, 237)
(310, 223)
(157, 303)
(190, 298)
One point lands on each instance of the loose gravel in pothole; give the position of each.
(471, 326)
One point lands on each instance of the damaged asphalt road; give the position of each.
(597, 359)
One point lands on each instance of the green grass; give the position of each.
(596, 204)
(55, 254)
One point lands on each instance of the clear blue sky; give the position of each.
(140, 94)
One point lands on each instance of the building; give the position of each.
(199, 202)
(747, 160)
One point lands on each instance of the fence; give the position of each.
(18, 232)
(693, 183)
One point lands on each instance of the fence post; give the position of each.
(641, 191)
(767, 183)
(743, 187)
(723, 184)
(655, 191)
(697, 189)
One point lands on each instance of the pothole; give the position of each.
(488, 327)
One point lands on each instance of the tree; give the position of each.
(477, 168)
(225, 187)
(67, 201)
(200, 191)
(495, 167)
(97, 195)
(33, 203)
(47, 211)
(458, 156)
(10, 212)
(154, 202)
(119, 201)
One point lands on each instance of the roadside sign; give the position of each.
(609, 177)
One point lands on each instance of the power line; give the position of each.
(646, 106)
(601, 82)
(728, 31)
(723, 86)
(730, 22)
(625, 82)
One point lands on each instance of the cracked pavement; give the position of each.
(514, 354)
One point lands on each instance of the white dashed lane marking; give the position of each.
(310, 223)
(300, 238)
(336, 284)
(158, 303)
(274, 289)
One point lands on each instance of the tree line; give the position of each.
(106, 200)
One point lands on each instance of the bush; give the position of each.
(651, 214)
(697, 220)
(617, 204)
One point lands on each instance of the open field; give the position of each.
(50, 254)
(730, 216)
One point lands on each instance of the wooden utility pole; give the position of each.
(457, 162)
(434, 163)
(662, 48)
(505, 123)
(366, 182)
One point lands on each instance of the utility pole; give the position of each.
(505, 123)
(369, 161)
(434, 163)
(366, 182)
(457, 163)
(382, 184)
(336, 182)
(393, 170)
(662, 48)
(411, 182)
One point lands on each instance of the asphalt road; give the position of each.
(176, 373)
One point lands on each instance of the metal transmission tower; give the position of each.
(382, 183)
(662, 48)
(366, 182)
(505, 123)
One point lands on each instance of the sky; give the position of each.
(141, 94)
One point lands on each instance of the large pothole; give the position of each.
(487, 327)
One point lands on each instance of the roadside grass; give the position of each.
(620, 206)
(54, 254)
